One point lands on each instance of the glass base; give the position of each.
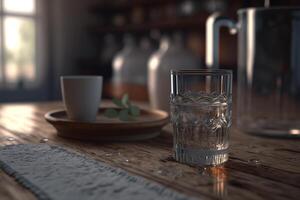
(201, 157)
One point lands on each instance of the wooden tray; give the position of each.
(146, 126)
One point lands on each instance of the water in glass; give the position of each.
(201, 124)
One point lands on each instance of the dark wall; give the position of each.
(68, 39)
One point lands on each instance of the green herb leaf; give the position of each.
(134, 111)
(124, 115)
(111, 113)
(127, 110)
(125, 100)
(117, 102)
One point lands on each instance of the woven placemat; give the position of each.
(53, 172)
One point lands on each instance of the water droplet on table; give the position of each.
(11, 139)
(171, 173)
(202, 170)
(44, 140)
(254, 161)
(254, 149)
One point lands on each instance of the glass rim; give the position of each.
(208, 72)
(81, 77)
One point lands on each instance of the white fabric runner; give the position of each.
(52, 172)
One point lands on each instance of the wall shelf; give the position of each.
(194, 23)
(125, 5)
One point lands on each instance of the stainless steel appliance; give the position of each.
(268, 67)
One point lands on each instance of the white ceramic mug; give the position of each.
(82, 96)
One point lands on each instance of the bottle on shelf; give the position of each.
(172, 54)
(109, 50)
(130, 70)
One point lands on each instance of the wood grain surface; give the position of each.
(258, 168)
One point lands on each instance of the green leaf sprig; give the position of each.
(127, 111)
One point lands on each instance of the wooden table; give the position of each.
(258, 168)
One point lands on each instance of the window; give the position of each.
(18, 44)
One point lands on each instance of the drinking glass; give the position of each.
(201, 109)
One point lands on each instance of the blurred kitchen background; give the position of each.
(41, 40)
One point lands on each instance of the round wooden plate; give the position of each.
(146, 126)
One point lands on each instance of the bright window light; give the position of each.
(19, 6)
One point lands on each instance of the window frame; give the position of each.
(35, 18)
(38, 89)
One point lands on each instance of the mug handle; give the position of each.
(213, 25)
